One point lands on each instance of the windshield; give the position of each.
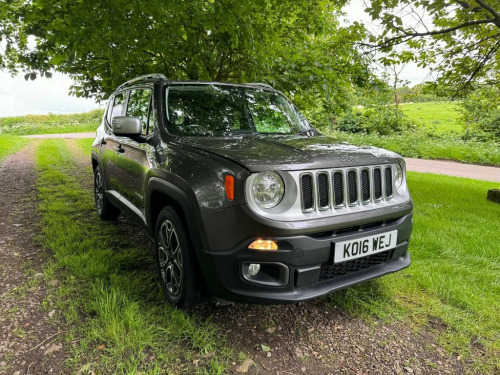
(211, 110)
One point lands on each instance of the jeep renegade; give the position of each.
(243, 197)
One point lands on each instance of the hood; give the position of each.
(264, 152)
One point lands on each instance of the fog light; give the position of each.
(263, 245)
(253, 269)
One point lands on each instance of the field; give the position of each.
(441, 116)
(10, 144)
(51, 124)
(440, 314)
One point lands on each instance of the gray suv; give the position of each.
(244, 199)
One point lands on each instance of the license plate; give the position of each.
(362, 247)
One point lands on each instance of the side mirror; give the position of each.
(124, 125)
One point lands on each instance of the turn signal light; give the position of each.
(263, 245)
(229, 186)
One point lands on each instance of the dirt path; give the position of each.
(29, 339)
(452, 168)
(63, 135)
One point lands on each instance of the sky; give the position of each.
(50, 95)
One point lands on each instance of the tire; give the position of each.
(105, 209)
(175, 261)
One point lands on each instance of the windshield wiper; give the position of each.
(308, 132)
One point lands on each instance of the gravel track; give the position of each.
(30, 339)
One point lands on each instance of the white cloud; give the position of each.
(43, 95)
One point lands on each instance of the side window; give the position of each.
(139, 104)
(119, 105)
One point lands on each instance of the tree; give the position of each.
(461, 41)
(297, 46)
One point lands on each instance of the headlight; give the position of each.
(399, 176)
(268, 189)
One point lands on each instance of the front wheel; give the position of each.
(175, 261)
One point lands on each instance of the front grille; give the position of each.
(307, 192)
(323, 191)
(388, 181)
(343, 188)
(365, 185)
(352, 185)
(338, 188)
(377, 182)
(331, 271)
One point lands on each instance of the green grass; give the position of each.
(427, 145)
(454, 278)
(441, 116)
(10, 144)
(85, 144)
(52, 124)
(108, 278)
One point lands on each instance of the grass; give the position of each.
(51, 124)
(454, 279)
(428, 145)
(440, 116)
(108, 279)
(10, 144)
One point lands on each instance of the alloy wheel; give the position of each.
(170, 257)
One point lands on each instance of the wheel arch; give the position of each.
(161, 193)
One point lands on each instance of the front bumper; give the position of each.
(302, 268)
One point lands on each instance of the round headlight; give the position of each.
(268, 189)
(399, 176)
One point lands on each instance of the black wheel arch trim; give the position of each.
(174, 193)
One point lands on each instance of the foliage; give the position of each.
(9, 144)
(481, 114)
(382, 120)
(426, 144)
(454, 272)
(51, 124)
(298, 47)
(462, 44)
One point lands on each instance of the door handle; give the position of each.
(119, 149)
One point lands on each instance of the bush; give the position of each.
(481, 116)
(352, 122)
(382, 120)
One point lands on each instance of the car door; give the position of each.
(132, 156)
(108, 143)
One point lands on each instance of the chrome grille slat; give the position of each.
(346, 188)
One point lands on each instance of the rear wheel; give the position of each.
(175, 261)
(105, 209)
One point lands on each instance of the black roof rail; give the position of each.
(140, 78)
(261, 84)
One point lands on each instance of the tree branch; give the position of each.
(492, 10)
(409, 36)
